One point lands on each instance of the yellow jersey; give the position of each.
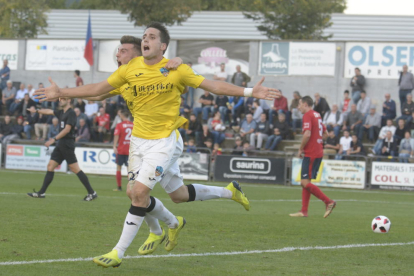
(125, 92)
(156, 95)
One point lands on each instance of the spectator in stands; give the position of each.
(344, 145)
(247, 149)
(207, 105)
(281, 131)
(406, 149)
(53, 128)
(194, 130)
(8, 94)
(208, 143)
(42, 124)
(371, 125)
(191, 148)
(258, 111)
(82, 134)
(261, 132)
(221, 75)
(321, 105)
(333, 120)
(79, 80)
(236, 105)
(25, 104)
(332, 143)
(247, 127)
(4, 74)
(296, 114)
(383, 132)
(240, 78)
(79, 115)
(206, 135)
(356, 146)
(248, 105)
(91, 110)
(280, 105)
(400, 131)
(221, 106)
(364, 104)
(264, 106)
(6, 128)
(406, 84)
(238, 148)
(407, 109)
(18, 98)
(31, 120)
(109, 107)
(353, 121)
(102, 121)
(217, 128)
(357, 84)
(389, 145)
(189, 92)
(17, 132)
(410, 124)
(389, 109)
(184, 108)
(345, 105)
(80, 104)
(30, 90)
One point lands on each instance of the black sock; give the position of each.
(46, 182)
(85, 181)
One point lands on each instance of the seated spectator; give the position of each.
(109, 108)
(345, 105)
(238, 148)
(191, 146)
(389, 109)
(332, 143)
(333, 120)
(42, 125)
(221, 106)
(194, 130)
(371, 125)
(19, 97)
(53, 128)
(6, 128)
(258, 110)
(208, 143)
(281, 131)
(207, 105)
(80, 115)
(321, 105)
(80, 104)
(364, 104)
(400, 131)
(24, 105)
(247, 127)
(82, 134)
(91, 110)
(296, 114)
(356, 147)
(261, 132)
(31, 120)
(102, 121)
(217, 128)
(353, 121)
(184, 108)
(17, 132)
(389, 145)
(264, 106)
(247, 149)
(31, 91)
(8, 95)
(410, 124)
(383, 132)
(406, 149)
(344, 145)
(236, 105)
(280, 105)
(248, 105)
(407, 109)
(206, 135)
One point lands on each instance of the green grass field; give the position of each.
(62, 227)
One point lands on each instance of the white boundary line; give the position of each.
(285, 249)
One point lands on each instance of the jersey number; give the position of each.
(320, 127)
(128, 134)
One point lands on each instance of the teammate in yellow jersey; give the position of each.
(155, 145)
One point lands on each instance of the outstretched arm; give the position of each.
(99, 98)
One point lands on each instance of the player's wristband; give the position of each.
(55, 138)
(248, 92)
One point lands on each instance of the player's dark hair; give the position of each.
(77, 72)
(164, 34)
(356, 68)
(363, 91)
(125, 113)
(135, 41)
(308, 100)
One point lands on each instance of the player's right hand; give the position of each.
(261, 92)
(115, 150)
(48, 93)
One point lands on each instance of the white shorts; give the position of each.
(152, 161)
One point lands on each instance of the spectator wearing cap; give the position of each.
(333, 120)
(371, 125)
(389, 109)
(321, 105)
(406, 84)
(407, 109)
(280, 105)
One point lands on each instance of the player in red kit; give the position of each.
(312, 146)
(122, 137)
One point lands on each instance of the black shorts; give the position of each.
(310, 167)
(122, 159)
(64, 151)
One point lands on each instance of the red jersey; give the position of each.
(124, 130)
(312, 121)
(103, 121)
(346, 104)
(79, 81)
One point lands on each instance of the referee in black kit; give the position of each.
(64, 150)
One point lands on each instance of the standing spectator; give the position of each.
(280, 105)
(321, 105)
(80, 115)
(24, 105)
(332, 144)
(79, 80)
(357, 84)
(4, 74)
(406, 149)
(53, 128)
(42, 124)
(19, 97)
(371, 125)
(344, 145)
(400, 131)
(296, 114)
(189, 92)
(247, 127)
(407, 109)
(236, 105)
(333, 120)
(91, 110)
(31, 120)
(221, 106)
(353, 121)
(389, 145)
(80, 104)
(8, 95)
(240, 78)
(82, 134)
(5, 128)
(364, 104)
(261, 132)
(238, 147)
(281, 131)
(102, 121)
(383, 132)
(356, 146)
(207, 105)
(389, 109)
(258, 111)
(345, 105)
(406, 84)
(222, 74)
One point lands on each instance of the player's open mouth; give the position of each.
(146, 48)
(119, 63)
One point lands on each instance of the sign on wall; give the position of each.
(334, 173)
(98, 161)
(57, 55)
(378, 60)
(194, 166)
(387, 175)
(30, 158)
(9, 50)
(297, 58)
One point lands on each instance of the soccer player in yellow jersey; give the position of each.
(156, 144)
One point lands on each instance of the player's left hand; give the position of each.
(173, 63)
(261, 92)
(49, 143)
(300, 153)
(50, 93)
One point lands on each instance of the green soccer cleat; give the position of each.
(172, 236)
(108, 260)
(238, 195)
(151, 243)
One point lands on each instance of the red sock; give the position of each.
(305, 200)
(118, 178)
(317, 192)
